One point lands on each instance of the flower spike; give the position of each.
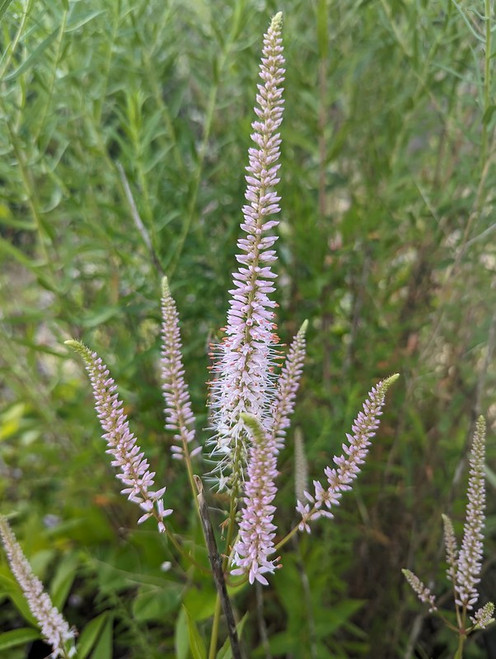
(180, 418)
(464, 566)
(52, 623)
(287, 387)
(257, 529)
(470, 556)
(451, 548)
(484, 616)
(244, 382)
(128, 457)
(347, 465)
(424, 594)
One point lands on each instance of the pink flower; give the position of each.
(287, 387)
(244, 382)
(470, 555)
(128, 457)
(423, 593)
(348, 465)
(256, 529)
(178, 412)
(52, 623)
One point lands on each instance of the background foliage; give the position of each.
(387, 247)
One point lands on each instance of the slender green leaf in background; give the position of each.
(4, 5)
(196, 644)
(91, 634)
(18, 637)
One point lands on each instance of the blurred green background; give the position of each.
(387, 247)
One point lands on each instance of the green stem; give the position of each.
(293, 531)
(183, 553)
(461, 643)
(215, 629)
(487, 80)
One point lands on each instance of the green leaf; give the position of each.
(181, 643)
(4, 5)
(62, 581)
(18, 637)
(488, 114)
(103, 648)
(153, 603)
(196, 644)
(11, 588)
(322, 28)
(90, 635)
(78, 21)
(200, 603)
(34, 57)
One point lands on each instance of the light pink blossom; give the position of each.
(423, 592)
(287, 387)
(257, 529)
(134, 469)
(470, 555)
(349, 463)
(178, 412)
(244, 381)
(52, 623)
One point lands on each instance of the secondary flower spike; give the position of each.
(287, 387)
(244, 369)
(348, 465)
(464, 565)
(178, 412)
(470, 556)
(256, 529)
(52, 623)
(128, 457)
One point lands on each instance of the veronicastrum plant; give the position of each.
(464, 564)
(251, 402)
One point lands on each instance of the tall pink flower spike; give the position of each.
(244, 382)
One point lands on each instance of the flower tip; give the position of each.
(77, 346)
(80, 348)
(303, 329)
(389, 381)
(277, 20)
(165, 285)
